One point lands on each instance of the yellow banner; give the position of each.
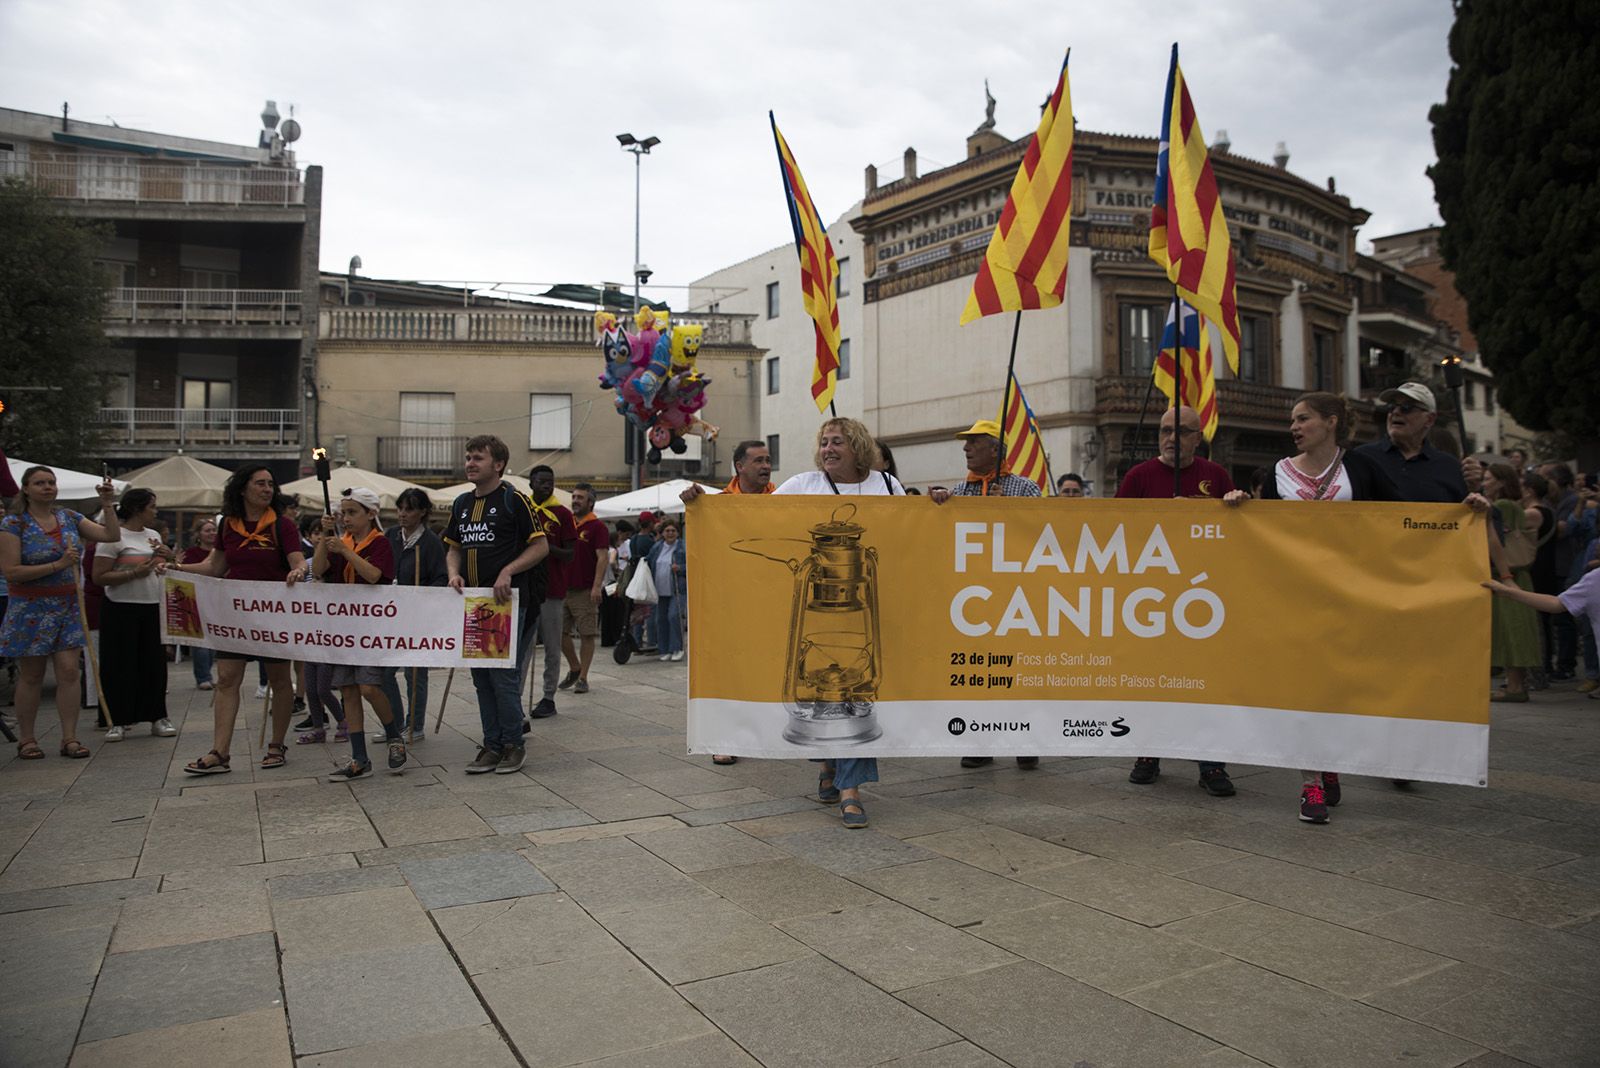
(1349, 636)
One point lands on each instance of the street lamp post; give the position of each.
(640, 147)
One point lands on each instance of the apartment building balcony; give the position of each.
(203, 313)
(499, 325)
(125, 185)
(424, 457)
(261, 433)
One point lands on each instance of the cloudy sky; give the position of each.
(476, 141)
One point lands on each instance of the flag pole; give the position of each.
(1177, 394)
(1005, 396)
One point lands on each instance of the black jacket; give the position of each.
(429, 550)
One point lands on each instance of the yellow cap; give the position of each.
(983, 428)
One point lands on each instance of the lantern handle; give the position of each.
(792, 563)
(847, 515)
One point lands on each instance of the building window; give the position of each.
(1488, 400)
(1255, 348)
(1323, 364)
(550, 421)
(205, 394)
(772, 447)
(772, 375)
(772, 300)
(842, 286)
(1141, 334)
(844, 359)
(1469, 393)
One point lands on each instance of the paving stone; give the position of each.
(824, 1009)
(402, 827)
(623, 885)
(481, 877)
(1335, 898)
(344, 881)
(361, 921)
(955, 1055)
(41, 923)
(1524, 1019)
(460, 847)
(1292, 841)
(713, 938)
(893, 947)
(224, 831)
(704, 1051)
(250, 874)
(1499, 854)
(1164, 850)
(785, 889)
(1346, 962)
(842, 851)
(952, 892)
(1133, 893)
(604, 830)
(496, 798)
(84, 893)
(1093, 947)
(727, 798)
(695, 849)
(1555, 958)
(185, 916)
(53, 965)
(550, 1010)
(354, 998)
(294, 847)
(258, 1039)
(543, 819)
(475, 1046)
(1534, 900)
(1584, 871)
(25, 873)
(746, 810)
(997, 850)
(153, 988)
(811, 818)
(907, 819)
(39, 1034)
(1245, 1007)
(541, 929)
(1028, 1015)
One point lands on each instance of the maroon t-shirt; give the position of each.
(560, 532)
(1153, 479)
(378, 552)
(592, 537)
(263, 558)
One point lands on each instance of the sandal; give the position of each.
(827, 793)
(74, 750)
(854, 813)
(724, 761)
(311, 737)
(29, 750)
(277, 755)
(200, 767)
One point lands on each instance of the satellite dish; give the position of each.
(291, 131)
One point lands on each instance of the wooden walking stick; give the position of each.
(266, 711)
(104, 712)
(448, 679)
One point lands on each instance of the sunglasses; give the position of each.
(1405, 409)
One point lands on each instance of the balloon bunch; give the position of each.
(653, 373)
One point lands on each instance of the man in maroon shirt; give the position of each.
(1196, 477)
(586, 576)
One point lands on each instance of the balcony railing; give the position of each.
(201, 426)
(412, 456)
(240, 307)
(497, 325)
(161, 181)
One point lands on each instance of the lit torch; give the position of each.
(319, 458)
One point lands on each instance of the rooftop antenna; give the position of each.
(64, 116)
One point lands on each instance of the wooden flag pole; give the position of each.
(1177, 394)
(448, 679)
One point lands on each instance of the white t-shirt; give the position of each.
(876, 484)
(1582, 598)
(1294, 485)
(133, 550)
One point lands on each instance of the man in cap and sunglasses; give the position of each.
(1421, 472)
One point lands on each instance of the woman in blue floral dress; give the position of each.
(40, 546)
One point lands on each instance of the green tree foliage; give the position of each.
(52, 300)
(1518, 186)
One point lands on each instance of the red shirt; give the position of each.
(560, 532)
(262, 557)
(593, 537)
(377, 552)
(1153, 479)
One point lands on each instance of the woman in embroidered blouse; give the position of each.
(259, 543)
(40, 546)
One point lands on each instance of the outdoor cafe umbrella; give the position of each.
(308, 491)
(662, 497)
(442, 497)
(182, 483)
(72, 487)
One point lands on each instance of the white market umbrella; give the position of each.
(308, 491)
(70, 485)
(662, 497)
(182, 483)
(445, 496)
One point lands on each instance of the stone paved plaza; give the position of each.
(620, 903)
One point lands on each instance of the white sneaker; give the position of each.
(163, 728)
(116, 734)
(677, 655)
(261, 692)
(664, 657)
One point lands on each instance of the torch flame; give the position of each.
(319, 454)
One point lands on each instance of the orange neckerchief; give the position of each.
(257, 538)
(349, 567)
(733, 487)
(582, 519)
(987, 480)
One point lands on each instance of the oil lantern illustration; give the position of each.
(834, 664)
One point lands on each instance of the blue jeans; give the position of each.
(669, 635)
(416, 706)
(852, 772)
(202, 660)
(500, 695)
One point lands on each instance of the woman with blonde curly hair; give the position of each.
(846, 457)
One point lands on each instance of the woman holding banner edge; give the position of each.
(257, 543)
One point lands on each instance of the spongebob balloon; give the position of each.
(655, 378)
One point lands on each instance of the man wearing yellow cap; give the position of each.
(981, 443)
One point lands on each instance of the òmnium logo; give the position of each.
(957, 725)
(961, 726)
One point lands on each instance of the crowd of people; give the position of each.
(573, 576)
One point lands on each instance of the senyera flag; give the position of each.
(1194, 349)
(1021, 441)
(1026, 265)
(819, 272)
(1188, 234)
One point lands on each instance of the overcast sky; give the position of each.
(477, 141)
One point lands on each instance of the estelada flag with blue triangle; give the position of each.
(1193, 345)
